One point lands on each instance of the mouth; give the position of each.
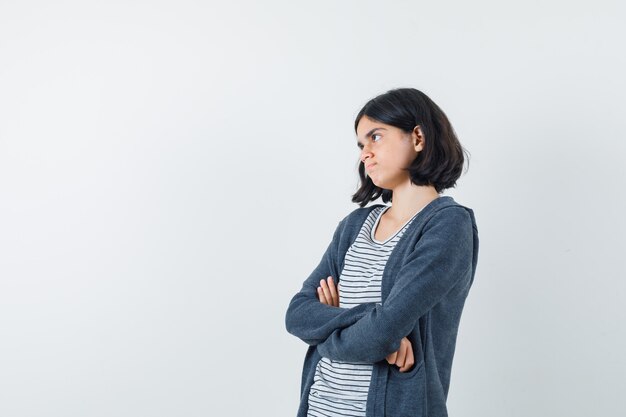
(368, 167)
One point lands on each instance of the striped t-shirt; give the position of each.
(340, 388)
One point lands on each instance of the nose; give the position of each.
(365, 152)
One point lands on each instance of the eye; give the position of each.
(361, 146)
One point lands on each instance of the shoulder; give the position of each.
(352, 222)
(358, 215)
(447, 213)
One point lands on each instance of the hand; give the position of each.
(403, 357)
(327, 292)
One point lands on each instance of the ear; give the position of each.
(418, 138)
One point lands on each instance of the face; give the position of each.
(386, 150)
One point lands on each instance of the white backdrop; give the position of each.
(171, 172)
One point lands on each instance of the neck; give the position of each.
(408, 199)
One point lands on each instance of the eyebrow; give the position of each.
(369, 134)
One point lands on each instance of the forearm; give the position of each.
(369, 339)
(313, 322)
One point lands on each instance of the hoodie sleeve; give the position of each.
(309, 319)
(440, 261)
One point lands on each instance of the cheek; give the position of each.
(407, 156)
(394, 157)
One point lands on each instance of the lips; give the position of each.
(368, 167)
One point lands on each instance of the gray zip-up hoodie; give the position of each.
(424, 287)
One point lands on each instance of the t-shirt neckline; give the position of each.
(378, 217)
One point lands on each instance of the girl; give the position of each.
(381, 311)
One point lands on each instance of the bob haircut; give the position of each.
(439, 164)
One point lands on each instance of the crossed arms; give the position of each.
(440, 260)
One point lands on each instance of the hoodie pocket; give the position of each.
(406, 392)
(395, 371)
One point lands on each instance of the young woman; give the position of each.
(381, 311)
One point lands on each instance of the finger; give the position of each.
(333, 291)
(401, 353)
(320, 294)
(326, 291)
(392, 358)
(410, 359)
(329, 299)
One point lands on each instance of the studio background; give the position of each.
(171, 172)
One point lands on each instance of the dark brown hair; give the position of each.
(439, 164)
